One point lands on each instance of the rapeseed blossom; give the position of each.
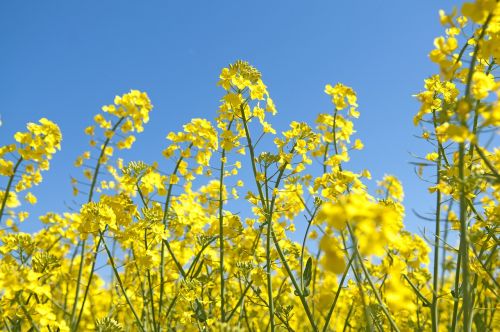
(183, 254)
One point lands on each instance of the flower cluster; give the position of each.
(458, 110)
(22, 162)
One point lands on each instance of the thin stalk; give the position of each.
(252, 157)
(144, 317)
(268, 212)
(435, 276)
(268, 272)
(464, 238)
(151, 297)
(445, 241)
(66, 294)
(355, 270)
(198, 255)
(165, 243)
(120, 283)
(420, 296)
(488, 162)
(337, 294)
(368, 316)
(240, 300)
(6, 325)
(27, 314)
(456, 296)
(295, 284)
(83, 242)
(9, 185)
(346, 321)
(171, 306)
(221, 235)
(92, 269)
(315, 275)
(309, 223)
(463, 252)
(221, 231)
(484, 265)
(370, 282)
(112, 276)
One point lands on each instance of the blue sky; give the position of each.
(65, 59)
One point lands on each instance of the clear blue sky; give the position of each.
(65, 59)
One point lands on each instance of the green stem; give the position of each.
(268, 212)
(165, 243)
(420, 296)
(464, 240)
(150, 286)
(176, 262)
(26, 313)
(361, 291)
(83, 242)
(252, 157)
(370, 282)
(9, 184)
(197, 257)
(339, 289)
(120, 283)
(346, 321)
(221, 231)
(268, 272)
(295, 284)
(437, 235)
(445, 241)
(240, 300)
(309, 223)
(221, 236)
(92, 269)
(488, 162)
(456, 296)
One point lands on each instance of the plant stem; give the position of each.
(150, 286)
(464, 239)
(370, 282)
(120, 283)
(165, 242)
(26, 313)
(9, 184)
(337, 294)
(295, 284)
(268, 212)
(437, 235)
(221, 235)
(488, 163)
(83, 242)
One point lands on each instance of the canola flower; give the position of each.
(181, 255)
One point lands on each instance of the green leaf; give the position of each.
(199, 312)
(198, 270)
(308, 273)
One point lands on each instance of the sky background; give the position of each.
(65, 59)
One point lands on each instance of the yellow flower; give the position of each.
(95, 217)
(6, 167)
(12, 201)
(343, 96)
(482, 84)
(30, 198)
(456, 133)
(478, 10)
(333, 258)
